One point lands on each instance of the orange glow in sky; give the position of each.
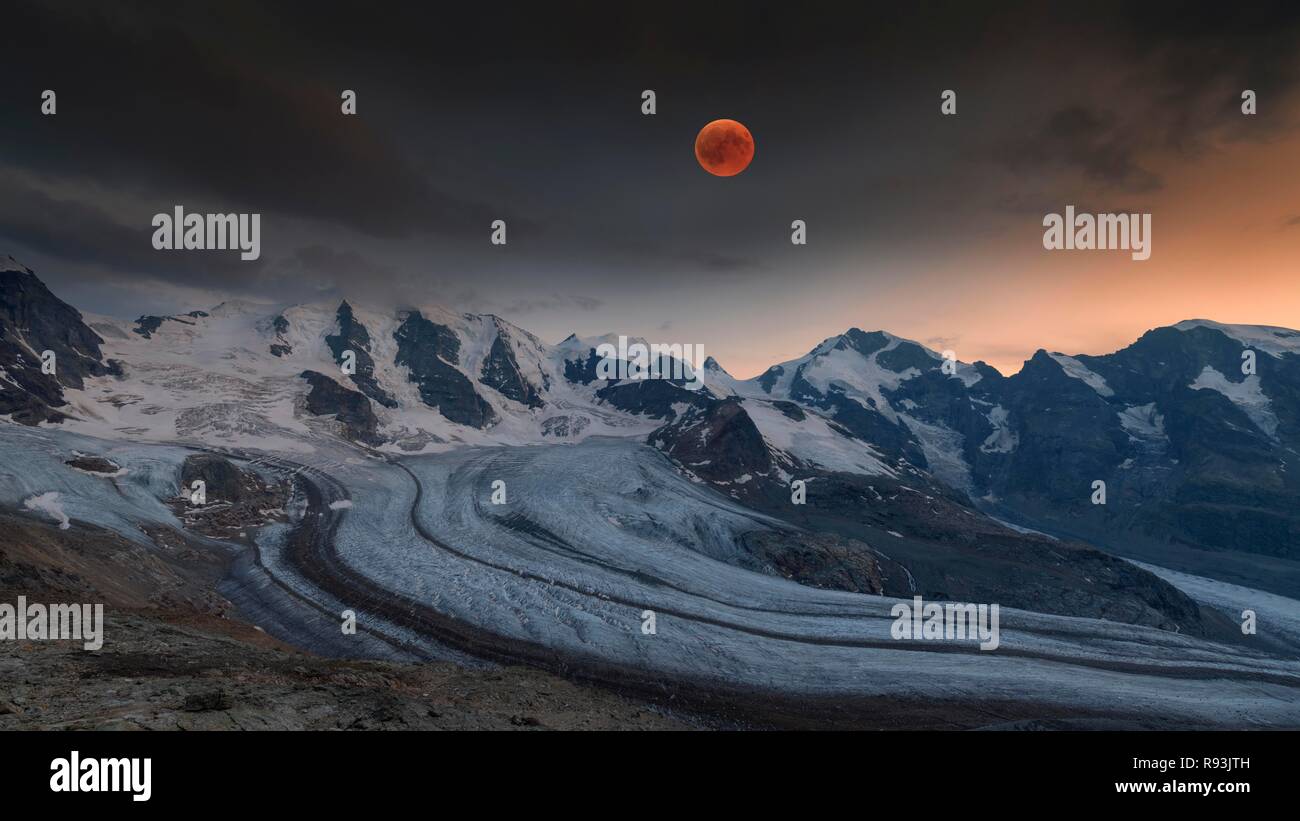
(1224, 247)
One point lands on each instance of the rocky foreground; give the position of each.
(168, 672)
(175, 659)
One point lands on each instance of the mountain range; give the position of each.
(474, 494)
(1192, 428)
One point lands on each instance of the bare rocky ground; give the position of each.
(211, 674)
(174, 657)
(237, 500)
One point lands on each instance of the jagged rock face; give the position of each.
(825, 560)
(582, 371)
(31, 314)
(353, 336)
(882, 534)
(866, 423)
(501, 371)
(426, 348)
(281, 346)
(27, 395)
(236, 499)
(94, 464)
(862, 418)
(146, 325)
(349, 408)
(955, 554)
(565, 427)
(790, 410)
(33, 320)
(769, 377)
(716, 440)
(1192, 450)
(657, 398)
(865, 343)
(223, 482)
(1213, 466)
(1068, 434)
(937, 398)
(906, 355)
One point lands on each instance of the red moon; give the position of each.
(724, 148)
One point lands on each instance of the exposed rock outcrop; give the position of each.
(353, 336)
(32, 321)
(427, 348)
(351, 409)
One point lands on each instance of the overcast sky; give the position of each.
(924, 225)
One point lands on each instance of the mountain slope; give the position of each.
(1197, 456)
(33, 322)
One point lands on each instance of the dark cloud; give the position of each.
(523, 307)
(80, 232)
(334, 267)
(1091, 141)
(1195, 65)
(531, 113)
(183, 111)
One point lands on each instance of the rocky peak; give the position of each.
(353, 336)
(501, 371)
(32, 321)
(427, 349)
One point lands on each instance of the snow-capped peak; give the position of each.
(581, 344)
(11, 264)
(1271, 339)
(240, 307)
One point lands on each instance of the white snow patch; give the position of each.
(1246, 394)
(48, 503)
(1003, 439)
(815, 442)
(1270, 339)
(11, 264)
(1078, 370)
(861, 378)
(1142, 421)
(1278, 614)
(942, 447)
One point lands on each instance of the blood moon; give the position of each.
(724, 148)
